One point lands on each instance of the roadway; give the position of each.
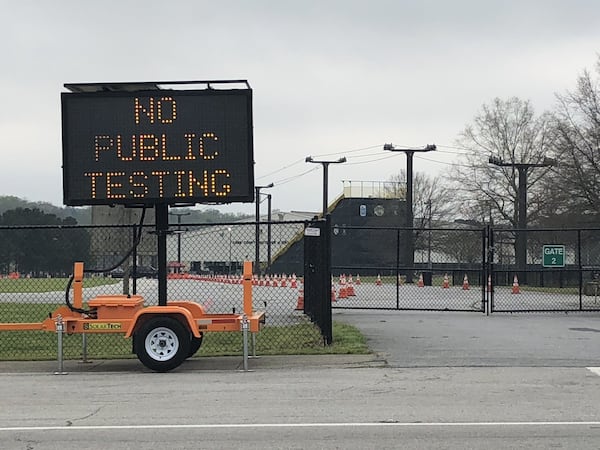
(437, 380)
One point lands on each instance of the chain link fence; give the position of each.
(560, 270)
(372, 269)
(205, 265)
(466, 269)
(475, 270)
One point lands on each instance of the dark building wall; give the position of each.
(352, 247)
(290, 261)
(366, 247)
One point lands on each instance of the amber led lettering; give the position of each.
(137, 180)
(110, 184)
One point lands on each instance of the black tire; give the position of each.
(162, 343)
(195, 344)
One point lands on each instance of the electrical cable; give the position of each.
(92, 312)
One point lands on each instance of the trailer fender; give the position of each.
(181, 314)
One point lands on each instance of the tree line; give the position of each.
(28, 249)
(40, 243)
(83, 215)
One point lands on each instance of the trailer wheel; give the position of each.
(195, 344)
(162, 343)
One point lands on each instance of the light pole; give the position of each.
(521, 236)
(257, 228)
(410, 244)
(179, 236)
(309, 159)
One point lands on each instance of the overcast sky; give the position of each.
(329, 78)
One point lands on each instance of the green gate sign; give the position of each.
(553, 256)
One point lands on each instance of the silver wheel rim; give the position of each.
(161, 344)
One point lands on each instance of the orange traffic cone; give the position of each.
(465, 283)
(446, 283)
(357, 279)
(378, 281)
(294, 283)
(300, 304)
(421, 283)
(515, 287)
(350, 288)
(342, 281)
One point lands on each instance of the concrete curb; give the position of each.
(199, 364)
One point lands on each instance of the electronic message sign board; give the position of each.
(157, 146)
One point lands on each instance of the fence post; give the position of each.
(84, 358)
(326, 316)
(488, 255)
(580, 270)
(398, 268)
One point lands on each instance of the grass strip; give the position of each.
(304, 338)
(31, 285)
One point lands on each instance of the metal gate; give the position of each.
(560, 270)
(317, 276)
(371, 269)
(466, 269)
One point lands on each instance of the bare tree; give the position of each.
(578, 144)
(510, 130)
(432, 197)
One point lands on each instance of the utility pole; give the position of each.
(257, 226)
(409, 258)
(309, 159)
(521, 234)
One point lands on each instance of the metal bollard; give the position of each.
(245, 327)
(60, 328)
(254, 347)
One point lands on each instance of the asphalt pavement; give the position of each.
(435, 380)
(469, 339)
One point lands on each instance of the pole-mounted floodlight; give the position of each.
(310, 159)
(257, 226)
(410, 245)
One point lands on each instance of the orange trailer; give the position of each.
(163, 336)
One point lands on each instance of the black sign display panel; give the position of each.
(157, 146)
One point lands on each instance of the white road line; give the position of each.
(300, 425)
(595, 370)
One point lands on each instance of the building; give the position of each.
(223, 248)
